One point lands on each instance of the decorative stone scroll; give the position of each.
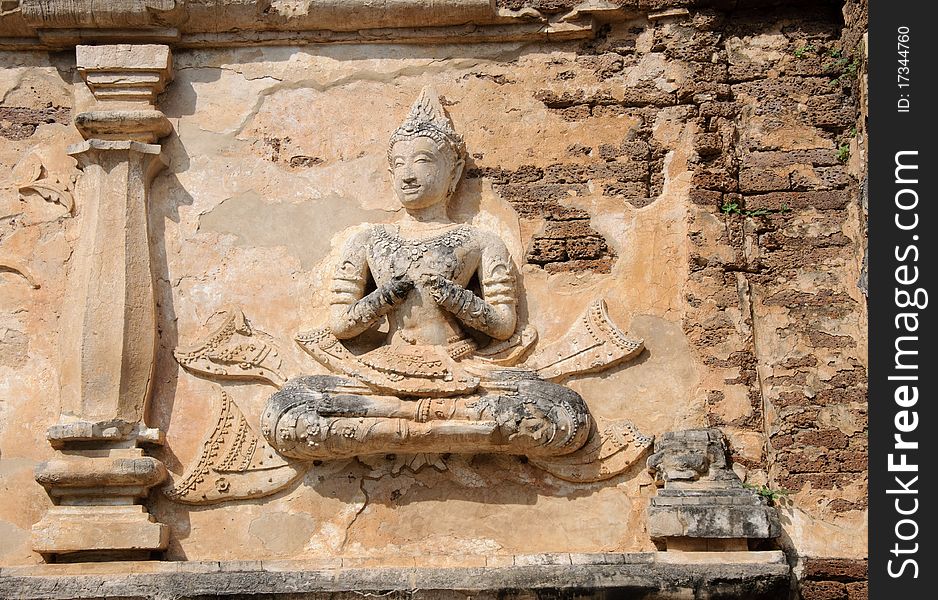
(702, 503)
(11, 264)
(33, 178)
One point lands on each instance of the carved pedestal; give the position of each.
(108, 332)
(702, 504)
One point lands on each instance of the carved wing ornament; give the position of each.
(233, 463)
(593, 343)
(234, 351)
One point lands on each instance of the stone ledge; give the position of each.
(749, 575)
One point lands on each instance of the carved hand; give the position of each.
(395, 291)
(440, 288)
(378, 303)
(469, 308)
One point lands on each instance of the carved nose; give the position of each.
(409, 178)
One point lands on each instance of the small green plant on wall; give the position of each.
(843, 67)
(843, 153)
(804, 50)
(732, 208)
(773, 496)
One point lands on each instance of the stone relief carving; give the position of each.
(452, 375)
(233, 463)
(107, 337)
(607, 452)
(35, 178)
(49, 176)
(594, 343)
(235, 351)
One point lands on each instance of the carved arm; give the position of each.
(494, 314)
(351, 313)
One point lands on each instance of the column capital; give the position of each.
(125, 72)
(125, 80)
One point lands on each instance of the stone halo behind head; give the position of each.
(427, 118)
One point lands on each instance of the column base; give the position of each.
(99, 533)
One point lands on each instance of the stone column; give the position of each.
(108, 328)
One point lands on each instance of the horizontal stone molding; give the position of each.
(206, 23)
(750, 575)
(100, 472)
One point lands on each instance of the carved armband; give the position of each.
(499, 288)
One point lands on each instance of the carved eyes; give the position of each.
(419, 159)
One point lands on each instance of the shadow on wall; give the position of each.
(167, 195)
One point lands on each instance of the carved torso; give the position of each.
(453, 254)
(458, 253)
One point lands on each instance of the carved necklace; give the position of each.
(390, 245)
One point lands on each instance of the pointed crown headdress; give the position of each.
(428, 119)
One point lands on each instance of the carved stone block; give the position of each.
(96, 493)
(106, 531)
(125, 71)
(701, 496)
(125, 79)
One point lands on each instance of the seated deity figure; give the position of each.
(446, 377)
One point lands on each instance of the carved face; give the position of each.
(424, 174)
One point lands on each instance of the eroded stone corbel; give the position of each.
(108, 332)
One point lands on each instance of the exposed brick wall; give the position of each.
(768, 218)
(779, 232)
(20, 122)
(834, 579)
(776, 229)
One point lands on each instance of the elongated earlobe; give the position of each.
(457, 174)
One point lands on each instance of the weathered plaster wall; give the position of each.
(687, 169)
(36, 239)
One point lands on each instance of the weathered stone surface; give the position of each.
(125, 72)
(751, 575)
(700, 496)
(117, 532)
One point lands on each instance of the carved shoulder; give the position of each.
(360, 239)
